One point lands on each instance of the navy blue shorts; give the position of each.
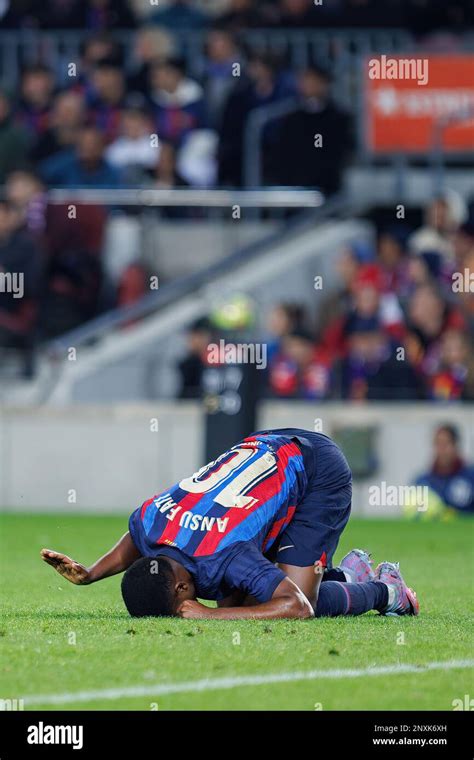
(321, 516)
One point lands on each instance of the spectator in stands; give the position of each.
(299, 369)
(107, 98)
(283, 319)
(263, 86)
(452, 376)
(372, 369)
(177, 101)
(14, 140)
(86, 166)
(368, 303)
(27, 195)
(450, 477)
(74, 282)
(246, 14)
(429, 316)
(151, 45)
(66, 119)
(191, 367)
(443, 215)
(428, 268)
(392, 257)
(136, 148)
(371, 298)
(36, 96)
(302, 162)
(338, 303)
(179, 15)
(222, 56)
(99, 47)
(20, 259)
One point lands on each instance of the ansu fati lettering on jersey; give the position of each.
(249, 493)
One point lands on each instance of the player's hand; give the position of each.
(67, 567)
(195, 610)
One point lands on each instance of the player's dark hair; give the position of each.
(147, 588)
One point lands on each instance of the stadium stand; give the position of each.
(229, 89)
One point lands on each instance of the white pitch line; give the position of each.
(212, 684)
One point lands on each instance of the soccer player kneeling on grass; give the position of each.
(255, 530)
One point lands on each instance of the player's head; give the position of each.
(156, 587)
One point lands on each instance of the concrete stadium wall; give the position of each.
(404, 434)
(111, 458)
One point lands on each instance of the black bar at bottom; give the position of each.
(115, 734)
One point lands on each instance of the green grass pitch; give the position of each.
(58, 639)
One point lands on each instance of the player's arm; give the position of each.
(118, 559)
(287, 602)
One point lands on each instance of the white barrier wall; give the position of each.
(404, 434)
(110, 458)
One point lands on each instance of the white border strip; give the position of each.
(213, 684)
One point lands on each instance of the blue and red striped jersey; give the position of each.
(247, 495)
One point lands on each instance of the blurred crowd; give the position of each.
(149, 124)
(90, 122)
(416, 15)
(154, 123)
(398, 328)
(400, 325)
(143, 117)
(60, 264)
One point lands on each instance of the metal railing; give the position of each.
(277, 197)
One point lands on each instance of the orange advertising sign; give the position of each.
(408, 97)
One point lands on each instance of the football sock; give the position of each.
(334, 574)
(336, 598)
